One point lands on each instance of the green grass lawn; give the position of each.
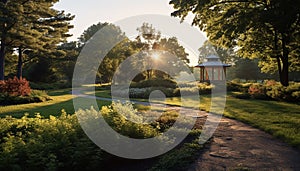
(61, 99)
(281, 119)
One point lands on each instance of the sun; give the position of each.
(155, 56)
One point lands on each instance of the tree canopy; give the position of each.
(31, 25)
(263, 29)
(150, 38)
(227, 55)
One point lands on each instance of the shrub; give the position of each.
(180, 158)
(50, 86)
(123, 119)
(167, 83)
(35, 96)
(57, 143)
(233, 86)
(258, 91)
(15, 87)
(143, 92)
(237, 86)
(278, 92)
(241, 95)
(205, 88)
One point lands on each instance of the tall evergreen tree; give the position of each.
(31, 25)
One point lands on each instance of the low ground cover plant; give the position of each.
(59, 143)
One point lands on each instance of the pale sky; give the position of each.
(88, 12)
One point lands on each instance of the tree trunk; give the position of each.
(277, 55)
(2, 57)
(284, 75)
(20, 64)
(149, 74)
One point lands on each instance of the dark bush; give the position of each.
(242, 95)
(144, 93)
(167, 83)
(240, 87)
(35, 96)
(233, 86)
(52, 86)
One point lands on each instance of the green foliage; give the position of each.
(143, 89)
(167, 83)
(180, 158)
(50, 86)
(32, 26)
(172, 46)
(111, 56)
(121, 116)
(35, 96)
(57, 143)
(166, 120)
(149, 40)
(40, 94)
(278, 92)
(226, 55)
(267, 30)
(248, 69)
(270, 89)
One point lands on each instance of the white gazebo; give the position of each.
(213, 69)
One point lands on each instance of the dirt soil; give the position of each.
(237, 146)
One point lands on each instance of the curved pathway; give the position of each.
(238, 146)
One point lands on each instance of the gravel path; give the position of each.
(237, 146)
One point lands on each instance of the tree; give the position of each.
(146, 41)
(227, 55)
(264, 29)
(172, 46)
(90, 32)
(112, 57)
(65, 66)
(31, 25)
(246, 69)
(150, 38)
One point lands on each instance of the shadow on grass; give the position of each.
(50, 109)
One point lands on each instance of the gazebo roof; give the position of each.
(213, 61)
(212, 57)
(212, 64)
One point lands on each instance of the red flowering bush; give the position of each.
(257, 91)
(270, 83)
(15, 87)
